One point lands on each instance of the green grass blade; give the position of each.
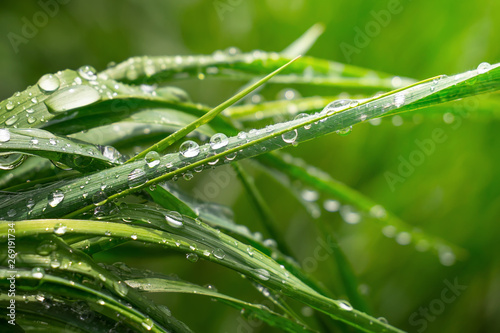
(163, 144)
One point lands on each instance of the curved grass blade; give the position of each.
(68, 91)
(131, 177)
(71, 152)
(108, 305)
(214, 246)
(166, 285)
(231, 64)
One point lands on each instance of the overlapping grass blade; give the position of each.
(197, 238)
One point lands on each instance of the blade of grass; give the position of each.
(163, 144)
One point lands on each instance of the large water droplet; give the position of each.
(152, 159)
(48, 83)
(403, 238)
(290, 137)
(11, 161)
(344, 131)
(344, 305)
(219, 253)
(71, 98)
(483, 67)
(218, 140)
(4, 135)
(174, 219)
(55, 198)
(189, 149)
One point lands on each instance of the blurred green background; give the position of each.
(454, 193)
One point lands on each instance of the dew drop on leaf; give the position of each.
(60, 229)
(290, 137)
(344, 131)
(152, 159)
(483, 68)
(148, 324)
(218, 140)
(344, 305)
(38, 273)
(71, 97)
(174, 219)
(189, 149)
(55, 198)
(219, 253)
(262, 274)
(192, 257)
(48, 83)
(87, 72)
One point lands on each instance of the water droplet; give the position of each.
(60, 229)
(290, 137)
(302, 116)
(11, 161)
(48, 83)
(378, 212)
(344, 131)
(188, 175)
(9, 106)
(337, 106)
(189, 149)
(192, 257)
(218, 140)
(344, 305)
(389, 231)
(399, 100)
(71, 98)
(483, 67)
(11, 121)
(174, 219)
(121, 288)
(397, 120)
(309, 195)
(133, 236)
(136, 177)
(331, 205)
(262, 274)
(4, 135)
(219, 253)
(350, 215)
(148, 324)
(55, 198)
(152, 159)
(11, 213)
(38, 272)
(446, 256)
(87, 72)
(403, 238)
